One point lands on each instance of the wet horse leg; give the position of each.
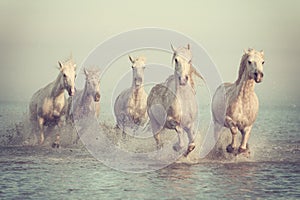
(156, 129)
(245, 137)
(41, 127)
(159, 144)
(234, 130)
(56, 142)
(191, 135)
(179, 145)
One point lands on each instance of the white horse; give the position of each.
(173, 104)
(130, 106)
(240, 102)
(48, 105)
(86, 102)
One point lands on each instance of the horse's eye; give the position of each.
(176, 61)
(65, 75)
(249, 62)
(263, 62)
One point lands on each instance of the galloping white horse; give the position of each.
(86, 102)
(48, 104)
(130, 105)
(173, 104)
(240, 100)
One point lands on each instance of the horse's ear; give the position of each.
(60, 65)
(98, 72)
(144, 58)
(262, 53)
(188, 46)
(172, 47)
(130, 58)
(245, 51)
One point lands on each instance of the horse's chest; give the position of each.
(52, 108)
(243, 113)
(137, 108)
(183, 108)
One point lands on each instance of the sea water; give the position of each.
(71, 172)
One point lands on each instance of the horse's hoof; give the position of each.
(241, 150)
(230, 149)
(55, 145)
(191, 147)
(177, 147)
(159, 147)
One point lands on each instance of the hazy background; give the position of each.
(34, 35)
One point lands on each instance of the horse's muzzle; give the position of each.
(138, 81)
(183, 80)
(97, 97)
(71, 92)
(258, 76)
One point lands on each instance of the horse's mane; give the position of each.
(69, 61)
(243, 65)
(183, 52)
(91, 72)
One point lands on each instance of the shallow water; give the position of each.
(72, 173)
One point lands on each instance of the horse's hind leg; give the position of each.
(191, 135)
(157, 116)
(179, 145)
(234, 130)
(156, 129)
(41, 127)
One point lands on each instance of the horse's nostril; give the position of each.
(97, 97)
(255, 74)
(262, 74)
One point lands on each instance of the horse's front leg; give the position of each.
(57, 139)
(234, 130)
(191, 135)
(179, 145)
(245, 137)
(41, 128)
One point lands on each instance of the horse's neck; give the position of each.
(86, 98)
(58, 87)
(245, 87)
(137, 92)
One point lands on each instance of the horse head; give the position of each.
(138, 68)
(253, 62)
(182, 57)
(93, 83)
(68, 73)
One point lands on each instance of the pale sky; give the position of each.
(34, 35)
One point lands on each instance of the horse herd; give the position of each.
(169, 105)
